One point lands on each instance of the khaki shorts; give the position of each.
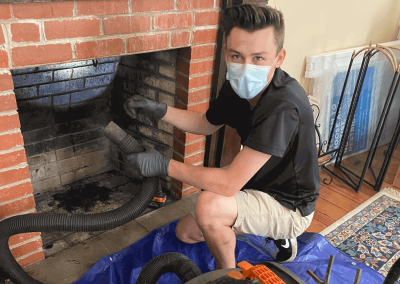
(260, 214)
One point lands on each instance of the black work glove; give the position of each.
(149, 108)
(149, 163)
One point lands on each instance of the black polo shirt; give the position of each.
(281, 125)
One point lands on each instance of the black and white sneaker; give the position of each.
(287, 249)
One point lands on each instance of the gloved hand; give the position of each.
(149, 108)
(149, 163)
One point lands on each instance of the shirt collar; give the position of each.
(279, 78)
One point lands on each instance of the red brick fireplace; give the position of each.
(37, 34)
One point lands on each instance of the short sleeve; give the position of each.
(214, 113)
(273, 135)
(217, 113)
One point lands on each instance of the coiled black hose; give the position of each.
(173, 262)
(43, 222)
(394, 273)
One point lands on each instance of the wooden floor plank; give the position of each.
(396, 153)
(315, 227)
(323, 218)
(349, 193)
(330, 209)
(385, 184)
(337, 199)
(392, 170)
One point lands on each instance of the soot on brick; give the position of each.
(82, 196)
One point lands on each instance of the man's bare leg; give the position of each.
(188, 231)
(215, 215)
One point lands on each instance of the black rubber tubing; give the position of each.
(394, 273)
(44, 222)
(173, 262)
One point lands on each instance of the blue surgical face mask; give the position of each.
(247, 80)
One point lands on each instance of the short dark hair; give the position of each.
(252, 17)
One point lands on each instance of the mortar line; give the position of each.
(17, 130)
(15, 184)
(14, 149)
(16, 199)
(8, 113)
(29, 254)
(19, 166)
(25, 242)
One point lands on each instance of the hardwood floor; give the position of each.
(337, 198)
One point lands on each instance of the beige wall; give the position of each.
(318, 26)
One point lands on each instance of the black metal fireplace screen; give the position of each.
(327, 153)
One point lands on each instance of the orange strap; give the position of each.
(160, 199)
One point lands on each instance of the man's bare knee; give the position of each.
(214, 210)
(204, 207)
(187, 230)
(181, 234)
(186, 238)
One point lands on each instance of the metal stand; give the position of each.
(348, 176)
(328, 273)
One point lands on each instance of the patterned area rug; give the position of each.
(371, 232)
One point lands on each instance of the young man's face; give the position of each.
(257, 48)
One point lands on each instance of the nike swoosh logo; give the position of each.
(286, 245)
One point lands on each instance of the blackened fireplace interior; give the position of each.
(63, 110)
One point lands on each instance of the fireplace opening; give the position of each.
(63, 110)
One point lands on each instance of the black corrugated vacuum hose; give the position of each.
(43, 222)
(394, 273)
(173, 262)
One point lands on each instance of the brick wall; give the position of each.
(194, 79)
(43, 33)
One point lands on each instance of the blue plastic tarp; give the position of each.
(313, 254)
